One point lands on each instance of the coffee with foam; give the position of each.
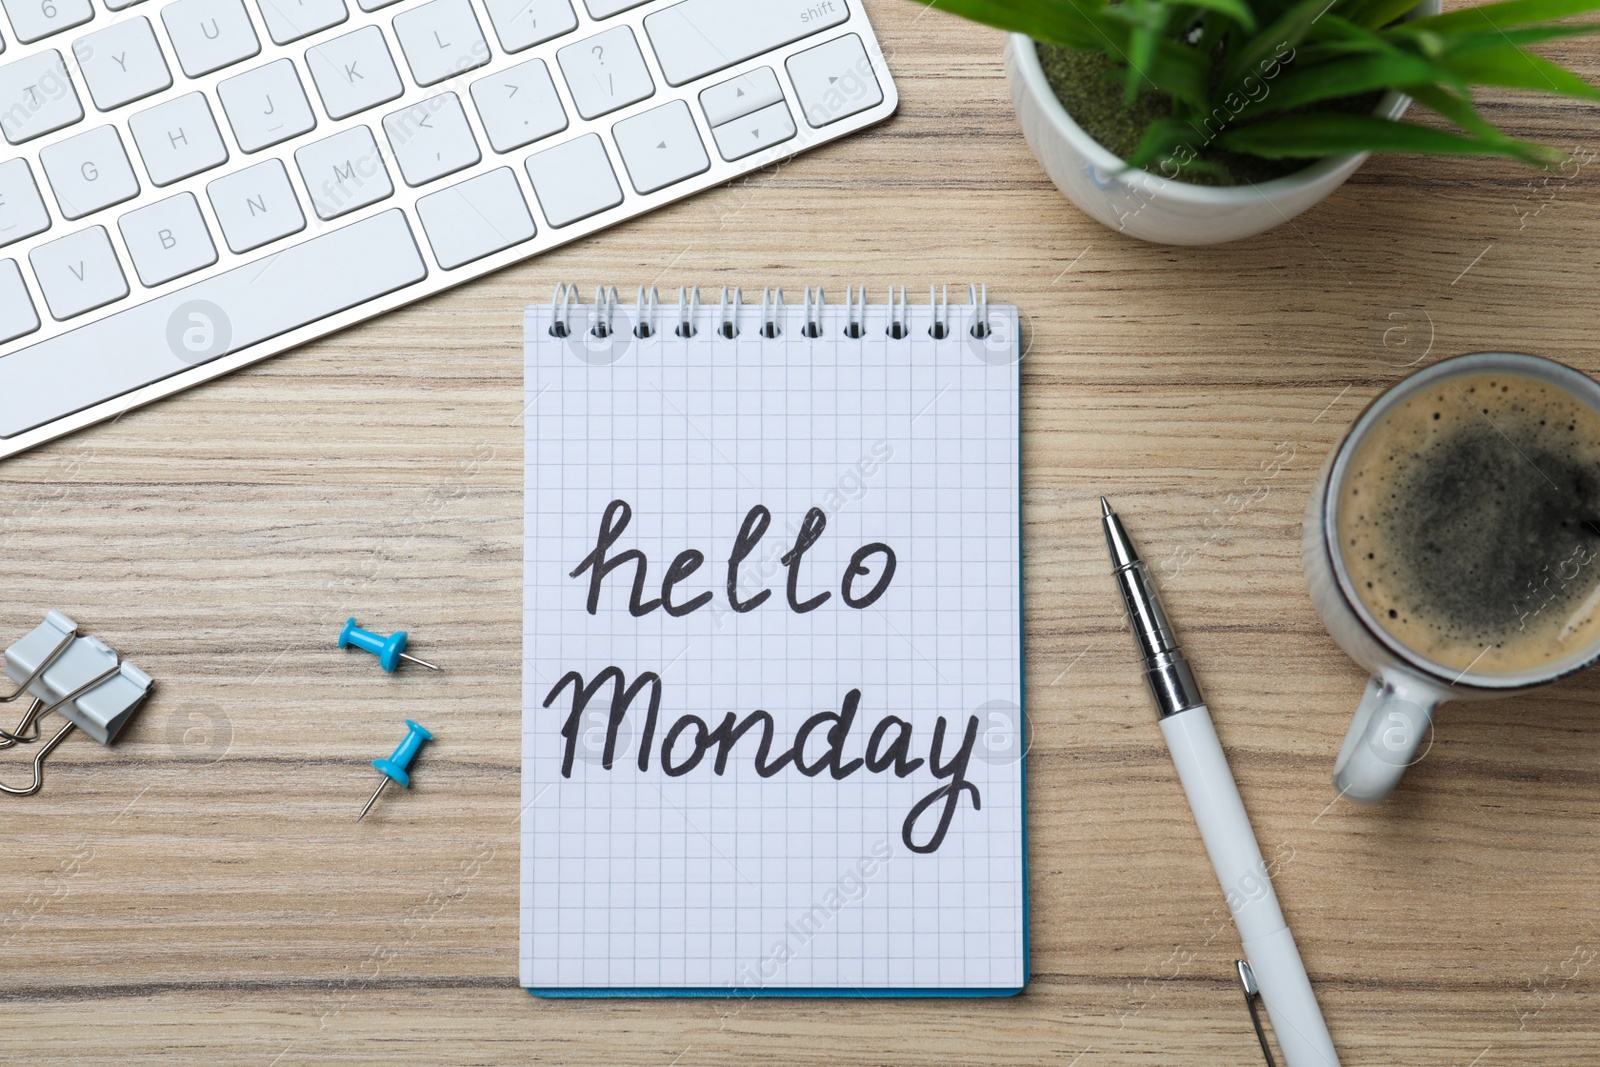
(1469, 523)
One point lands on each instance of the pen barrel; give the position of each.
(1236, 857)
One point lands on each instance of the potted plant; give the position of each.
(1204, 121)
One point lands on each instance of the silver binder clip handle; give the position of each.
(980, 311)
(561, 321)
(1252, 997)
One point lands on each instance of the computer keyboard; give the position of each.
(197, 185)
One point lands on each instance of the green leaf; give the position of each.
(1346, 76)
(1462, 44)
(1462, 112)
(1237, 10)
(1512, 68)
(1504, 14)
(1375, 14)
(1288, 31)
(1160, 138)
(1330, 133)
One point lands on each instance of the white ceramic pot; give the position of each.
(1151, 207)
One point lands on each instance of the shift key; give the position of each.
(697, 37)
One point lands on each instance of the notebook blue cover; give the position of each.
(772, 675)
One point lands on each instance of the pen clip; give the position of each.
(1252, 994)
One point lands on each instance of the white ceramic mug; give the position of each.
(1395, 713)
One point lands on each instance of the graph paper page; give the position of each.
(772, 669)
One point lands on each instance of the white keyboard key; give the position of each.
(750, 134)
(36, 19)
(431, 139)
(834, 81)
(661, 147)
(256, 206)
(524, 23)
(373, 5)
(574, 180)
(17, 317)
(354, 72)
(195, 324)
(605, 72)
(209, 34)
(78, 273)
(22, 210)
(36, 97)
(290, 20)
(121, 63)
(266, 105)
(343, 172)
(697, 37)
(476, 218)
(519, 106)
(599, 9)
(178, 138)
(741, 96)
(118, 5)
(89, 171)
(440, 39)
(167, 239)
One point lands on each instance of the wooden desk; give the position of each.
(199, 894)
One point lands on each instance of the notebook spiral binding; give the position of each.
(647, 312)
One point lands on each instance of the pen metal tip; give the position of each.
(1105, 509)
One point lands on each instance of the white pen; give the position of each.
(1274, 961)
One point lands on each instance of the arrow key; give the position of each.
(834, 80)
(661, 147)
(741, 96)
(749, 135)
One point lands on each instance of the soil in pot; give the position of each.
(1090, 86)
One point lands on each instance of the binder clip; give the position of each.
(76, 676)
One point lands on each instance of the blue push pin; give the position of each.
(394, 768)
(389, 650)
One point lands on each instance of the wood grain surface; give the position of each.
(200, 893)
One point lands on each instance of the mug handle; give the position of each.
(1382, 742)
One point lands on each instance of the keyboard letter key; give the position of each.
(354, 72)
(36, 97)
(196, 324)
(266, 105)
(17, 317)
(122, 63)
(209, 34)
(167, 239)
(89, 171)
(22, 210)
(697, 37)
(178, 138)
(78, 273)
(256, 206)
(289, 20)
(574, 180)
(343, 172)
(439, 39)
(476, 218)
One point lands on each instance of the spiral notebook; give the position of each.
(772, 649)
